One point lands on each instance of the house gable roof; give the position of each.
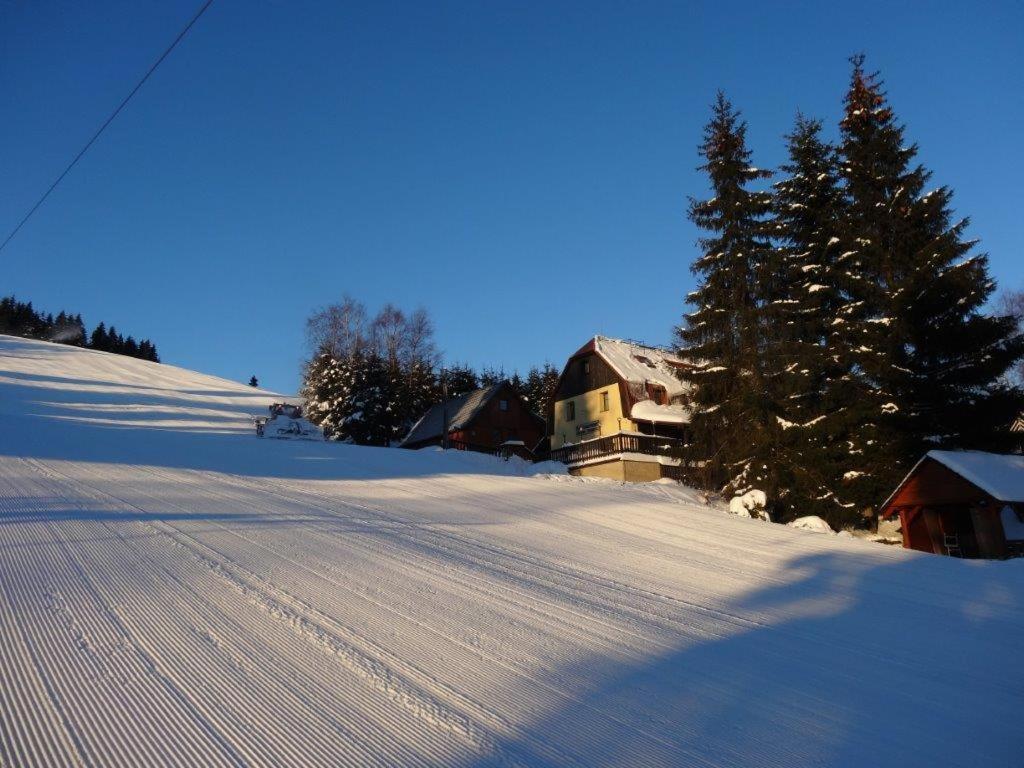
(999, 475)
(461, 413)
(635, 363)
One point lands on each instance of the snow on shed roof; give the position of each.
(639, 363)
(461, 411)
(999, 475)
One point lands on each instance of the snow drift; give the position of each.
(175, 591)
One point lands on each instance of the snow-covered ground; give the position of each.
(175, 591)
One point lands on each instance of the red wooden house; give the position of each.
(490, 419)
(962, 503)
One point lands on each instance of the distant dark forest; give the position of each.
(19, 318)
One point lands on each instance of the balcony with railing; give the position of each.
(613, 445)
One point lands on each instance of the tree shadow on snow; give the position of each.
(853, 663)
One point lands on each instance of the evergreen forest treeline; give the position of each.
(18, 318)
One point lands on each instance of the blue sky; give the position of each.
(520, 170)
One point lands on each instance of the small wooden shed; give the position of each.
(962, 503)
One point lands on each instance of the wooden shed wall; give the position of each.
(935, 484)
(936, 502)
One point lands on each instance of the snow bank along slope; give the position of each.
(174, 591)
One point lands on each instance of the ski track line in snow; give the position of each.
(407, 529)
(920, 670)
(609, 608)
(612, 607)
(225, 565)
(653, 737)
(272, 602)
(520, 575)
(154, 669)
(380, 678)
(362, 509)
(143, 508)
(235, 533)
(192, 761)
(98, 739)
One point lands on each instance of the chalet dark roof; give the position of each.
(461, 411)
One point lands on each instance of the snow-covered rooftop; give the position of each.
(999, 475)
(461, 411)
(639, 364)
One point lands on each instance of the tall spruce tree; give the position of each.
(80, 336)
(147, 351)
(460, 379)
(326, 390)
(517, 383)
(732, 424)
(540, 387)
(926, 360)
(807, 362)
(489, 376)
(371, 418)
(100, 339)
(115, 342)
(420, 390)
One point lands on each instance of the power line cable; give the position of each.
(108, 121)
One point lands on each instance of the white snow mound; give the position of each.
(811, 523)
(750, 504)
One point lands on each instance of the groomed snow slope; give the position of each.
(175, 591)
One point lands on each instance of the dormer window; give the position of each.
(645, 360)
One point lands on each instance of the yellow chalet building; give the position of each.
(618, 412)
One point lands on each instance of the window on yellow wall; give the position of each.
(570, 411)
(604, 401)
